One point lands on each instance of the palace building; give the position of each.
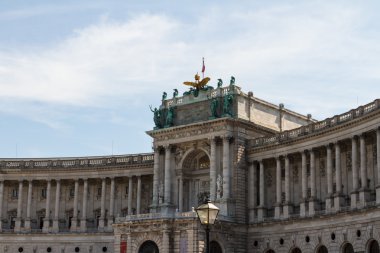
(283, 182)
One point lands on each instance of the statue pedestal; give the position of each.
(167, 209)
(354, 199)
(303, 206)
(226, 206)
(261, 213)
(277, 211)
(313, 206)
(338, 202)
(288, 210)
(55, 228)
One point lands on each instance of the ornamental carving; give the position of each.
(295, 174)
(349, 161)
(269, 178)
(322, 167)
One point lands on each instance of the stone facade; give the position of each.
(283, 183)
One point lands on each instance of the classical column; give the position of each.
(251, 191)
(138, 204)
(261, 209)
(19, 207)
(277, 210)
(378, 166)
(74, 221)
(47, 208)
(213, 169)
(130, 189)
(339, 198)
(167, 190)
(165, 241)
(329, 179)
(156, 168)
(180, 195)
(364, 191)
(1, 204)
(56, 207)
(313, 184)
(112, 204)
(102, 205)
(355, 178)
(28, 206)
(287, 209)
(83, 222)
(226, 167)
(304, 184)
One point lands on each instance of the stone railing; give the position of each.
(317, 126)
(77, 162)
(202, 95)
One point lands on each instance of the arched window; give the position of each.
(322, 249)
(215, 247)
(374, 247)
(148, 247)
(347, 248)
(296, 250)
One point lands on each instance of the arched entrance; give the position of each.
(270, 251)
(373, 247)
(148, 247)
(322, 249)
(296, 250)
(347, 248)
(196, 179)
(215, 247)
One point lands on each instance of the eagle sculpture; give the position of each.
(198, 84)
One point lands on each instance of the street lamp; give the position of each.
(207, 214)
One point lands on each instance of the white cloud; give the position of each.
(276, 52)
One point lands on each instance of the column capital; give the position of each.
(226, 137)
(212, 138)
(157, 148)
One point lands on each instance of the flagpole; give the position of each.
(203, 67)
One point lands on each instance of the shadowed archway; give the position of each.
(148, 247)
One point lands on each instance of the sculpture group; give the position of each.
(219, 106)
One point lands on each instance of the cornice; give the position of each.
(331, 127)
(215, 126)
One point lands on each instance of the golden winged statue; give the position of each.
(198, 84)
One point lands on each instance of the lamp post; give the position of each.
(207, 214)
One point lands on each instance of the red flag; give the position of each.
(203, 67)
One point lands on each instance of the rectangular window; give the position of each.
(72, 192)
(99, 191)
(15, 193)
(43, 193)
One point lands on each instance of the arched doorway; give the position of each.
(347, 248)
(196, 179)
(215, 247)
(270, 251)
(296, 250)
(373, 247)
(322, 249)
(148, 247)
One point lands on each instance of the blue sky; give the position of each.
(77, 77)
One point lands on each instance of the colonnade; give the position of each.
(78, 222)
(309, 204)
(220, 178)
